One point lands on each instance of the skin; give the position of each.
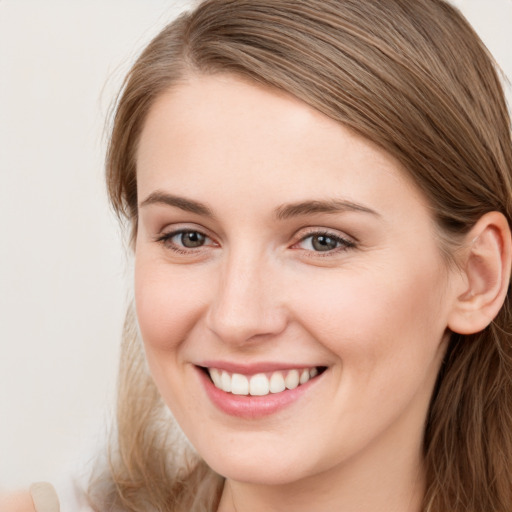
(16, 502)
(374, 311)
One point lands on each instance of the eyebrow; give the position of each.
(283, 212)
(287, 211)
(188, 205)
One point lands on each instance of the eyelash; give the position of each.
(343, 244)
(166, 240)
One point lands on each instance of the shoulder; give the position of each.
(17, 502)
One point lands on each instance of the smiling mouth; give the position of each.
(261, 384)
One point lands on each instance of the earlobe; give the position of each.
(486, 273)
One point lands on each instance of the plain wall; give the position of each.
(63, 274)
(64, 279)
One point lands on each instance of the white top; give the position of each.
(44, 497)
(65, 496)
(72, 496)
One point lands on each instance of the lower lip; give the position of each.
(253, 407)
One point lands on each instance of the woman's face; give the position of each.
(276, 247)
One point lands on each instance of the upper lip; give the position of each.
(254, 368)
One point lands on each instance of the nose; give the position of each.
(246, 304)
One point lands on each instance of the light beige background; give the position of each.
(63, 277)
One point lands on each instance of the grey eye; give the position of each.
(191, 239)
(324, 243)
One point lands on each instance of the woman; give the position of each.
(319, 194)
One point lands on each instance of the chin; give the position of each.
(257, 474)
(261, 469)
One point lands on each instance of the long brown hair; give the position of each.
(409, 75)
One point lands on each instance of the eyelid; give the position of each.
(181, 227)
(322, 230)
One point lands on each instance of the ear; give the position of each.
(485, 267)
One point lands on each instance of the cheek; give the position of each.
(386, 333)
(167, 307)
(167, 304)
(378, 322)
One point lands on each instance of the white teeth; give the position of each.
(239, 384)
(216, 377)
(277, 383)
(304, 377)
(260, 384)
(292, 379)
(225, 383)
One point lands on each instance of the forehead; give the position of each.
(222, 129)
